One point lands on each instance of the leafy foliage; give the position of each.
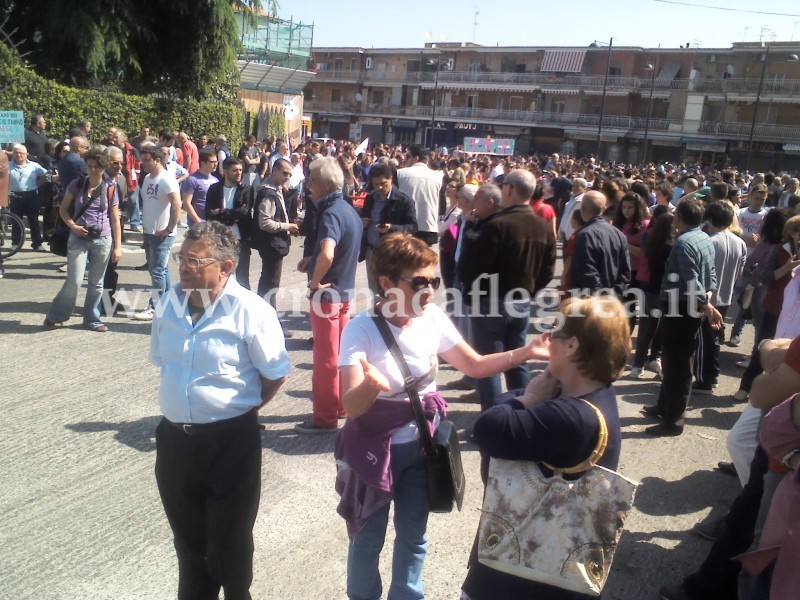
(21, 89)
(181, 48)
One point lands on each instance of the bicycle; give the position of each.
(9, 222)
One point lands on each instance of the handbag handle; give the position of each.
(599, 449)
(409, 382)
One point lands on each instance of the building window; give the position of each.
(352, 64)
(336, 95)
(558, 106)
(515, 103)
(337, 64)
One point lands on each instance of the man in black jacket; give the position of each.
(512, 258)
(231, 202)
(274, 221)
(386, 209)
(601, 251)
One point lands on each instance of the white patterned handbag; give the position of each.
(555, 531)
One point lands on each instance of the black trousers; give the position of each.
(26, 204)
(243, 267)
(706, 356)
(717, 577)
(677, 348)
(210, 485)
(270, 280)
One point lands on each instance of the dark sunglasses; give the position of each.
(419, 282)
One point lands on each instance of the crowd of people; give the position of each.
(669, 251)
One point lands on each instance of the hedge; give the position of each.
(63, 106)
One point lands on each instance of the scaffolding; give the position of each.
(274, 41)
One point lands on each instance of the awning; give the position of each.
(563, 61)
(668, 72)
(556, 92)
(271, 78)
(792, 148)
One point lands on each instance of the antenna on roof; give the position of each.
(475, 23)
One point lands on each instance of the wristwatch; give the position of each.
(786, 458)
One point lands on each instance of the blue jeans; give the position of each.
(134, 214)
(81, 251)
(506, 330)
(157, 251)
(410, 489)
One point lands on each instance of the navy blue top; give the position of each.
(563, 433)
(70, 167)
(338, 221)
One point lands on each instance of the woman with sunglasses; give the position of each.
(550, 423)
(380, 423)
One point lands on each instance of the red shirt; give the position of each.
(545, 211)
(191, 157)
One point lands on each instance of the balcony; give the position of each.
(340, 75)
(553, 81)
(768, 132)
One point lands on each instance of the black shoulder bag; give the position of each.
(446, 482)
(59, 239)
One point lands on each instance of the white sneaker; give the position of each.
(744, 363)
(734, 341)
(143, 315)
(635, 373)
(41, 248)
(740, 396)
(654, 366)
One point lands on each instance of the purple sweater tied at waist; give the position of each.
(362, 450)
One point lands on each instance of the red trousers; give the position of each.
(327, 323)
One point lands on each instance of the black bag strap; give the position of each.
(84, 184)
(408, 380)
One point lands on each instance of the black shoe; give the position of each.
(665, 430)
(727, 467)
(710, 530)
(652, 411)
(287, 334)
(674, 592)
(141, 268)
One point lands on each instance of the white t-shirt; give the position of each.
(155, 204)
(421, 342)
(750, 222)
(228, 194)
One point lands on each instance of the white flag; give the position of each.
(362, 147)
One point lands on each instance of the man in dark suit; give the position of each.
(231, 202)
(514, 257)
(386, 209)
(601, 250)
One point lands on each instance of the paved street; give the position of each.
(81, 513)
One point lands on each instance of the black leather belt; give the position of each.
(248, 419)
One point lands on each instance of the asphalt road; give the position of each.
(81, 517)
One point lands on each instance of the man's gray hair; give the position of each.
(523, 182)
(492, 192)
(220, 238)
(112, 151)
(329, 171)
(580, 181)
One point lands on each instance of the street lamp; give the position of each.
(790, 58)
(653, 69)
(438, 64)
(603, 100)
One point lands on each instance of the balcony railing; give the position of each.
(554, 81)
(512, 117)
(770, 132)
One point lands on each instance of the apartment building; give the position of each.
(663, 104)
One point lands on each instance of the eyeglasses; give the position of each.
(419, 282)
(193, 262)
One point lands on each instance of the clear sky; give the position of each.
(646, 23)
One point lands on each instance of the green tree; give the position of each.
(178, 48)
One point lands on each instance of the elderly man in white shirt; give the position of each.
(565, 229)
(222, 356)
